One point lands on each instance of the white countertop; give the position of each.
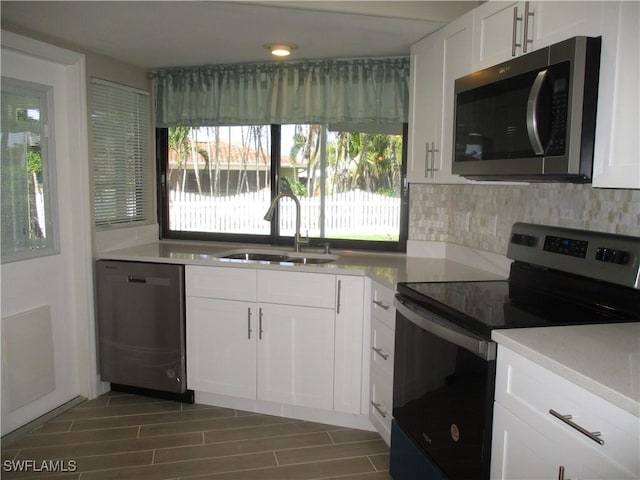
(386, 268)
(603, 359)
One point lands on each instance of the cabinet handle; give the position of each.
(380, 411)
(249, 323)
(561, 473)
(430, 160)
(379, 351)
(514, 34)
(339, 294)
(427, 155)
(260, 331)
(434, 150)
(525, 34)
(381, 304)
(595, 436)
(134, 279)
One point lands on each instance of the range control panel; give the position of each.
(603, 256)
(565, 246)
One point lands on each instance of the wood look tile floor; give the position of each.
(122, 436)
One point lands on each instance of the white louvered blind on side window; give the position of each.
(120, 129)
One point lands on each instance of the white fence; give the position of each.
(354, 213)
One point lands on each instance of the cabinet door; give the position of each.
(382, 352)
(531, 392)
(348, 344)
(425, 107)
(297, 288)
(295, 355)
(554, 22)
(382, 308)
(456, 40)
(221, 282)
(616, 161)
(221, 346)
(503, 30)
(519, 452)
(496, 33)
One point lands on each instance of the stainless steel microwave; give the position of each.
(532, 118)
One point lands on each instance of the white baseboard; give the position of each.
(339, 419)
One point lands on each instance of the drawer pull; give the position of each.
(379, 351)
(380, 411)
(381, 304)
(595, 436)
(561, 473)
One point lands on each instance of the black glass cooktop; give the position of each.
(481, 306)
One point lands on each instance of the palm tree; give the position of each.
(179, 142)
(306, 142)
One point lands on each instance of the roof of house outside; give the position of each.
(231, 157)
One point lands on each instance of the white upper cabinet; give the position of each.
(617, 150)
(456, 38)
(425, 108)
(503, 30)
(554, 22)
(436, 62)
(497, 33)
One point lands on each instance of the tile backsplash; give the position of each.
(481, 216)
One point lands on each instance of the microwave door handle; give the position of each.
(532, 112)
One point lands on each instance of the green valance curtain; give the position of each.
(324, 91)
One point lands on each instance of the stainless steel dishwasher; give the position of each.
(141, 328)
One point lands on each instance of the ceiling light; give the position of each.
(281, 49)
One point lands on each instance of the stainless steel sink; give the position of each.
(261, 257)
(312, 259)
(278, 256)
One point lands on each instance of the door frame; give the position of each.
(81, 287)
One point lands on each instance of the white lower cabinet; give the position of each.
(221, 346)
(530, 442)
(350, 361)
(295, 355)
(381, 359)
(306, 353)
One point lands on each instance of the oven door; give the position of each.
(443, 389)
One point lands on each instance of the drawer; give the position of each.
(221, 282)
(380, 408)
(382, 304)
(382, 342)
(530, 391)
(297, 288)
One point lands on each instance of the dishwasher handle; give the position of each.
(441, 328)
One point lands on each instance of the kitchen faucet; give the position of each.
(298, 241)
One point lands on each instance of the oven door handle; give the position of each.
(446, 330)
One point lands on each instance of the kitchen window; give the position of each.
(216, 183)
(29, 226)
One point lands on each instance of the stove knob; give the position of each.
(522, 239)
(619, 257)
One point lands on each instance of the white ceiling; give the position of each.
(153, 34)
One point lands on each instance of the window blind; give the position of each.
(120, 129)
